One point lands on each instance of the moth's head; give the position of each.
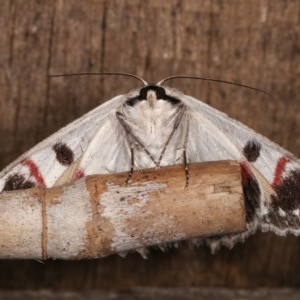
(152, 94)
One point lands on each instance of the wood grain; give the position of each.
(158, 294)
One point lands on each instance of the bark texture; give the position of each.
(98, 216)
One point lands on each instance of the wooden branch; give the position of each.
(98, 216)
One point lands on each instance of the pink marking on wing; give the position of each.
(78, 174)
(246, 172)
(34, 172)
(280, 168)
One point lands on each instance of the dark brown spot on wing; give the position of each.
(251, 191)
(63, 154)
(17, 182)
(288, 192)
(252, 150)
(285, 203)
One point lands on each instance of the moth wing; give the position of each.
(108, 152)
(271, 181)
(55, 160)
(239, 135)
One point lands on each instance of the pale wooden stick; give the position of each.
(98, 216)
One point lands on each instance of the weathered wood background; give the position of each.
(254, 42)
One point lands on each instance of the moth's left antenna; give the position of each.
(101, 73)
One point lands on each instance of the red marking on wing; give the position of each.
(34, 172)
(78, 174)
(280, 168)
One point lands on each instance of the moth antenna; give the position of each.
(101, 73)
(213, 80)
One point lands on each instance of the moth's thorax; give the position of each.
(149, 118)
(152, 112)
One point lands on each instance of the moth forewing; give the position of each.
(77, 136)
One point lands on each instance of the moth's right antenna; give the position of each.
(213, 80)
(101, 73)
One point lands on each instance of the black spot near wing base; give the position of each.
(63, 154)
(17, 182)
(288, 192)
(252, 193)
(252, 150)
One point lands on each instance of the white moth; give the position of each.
(154, 126)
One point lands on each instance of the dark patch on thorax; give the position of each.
(160, 95)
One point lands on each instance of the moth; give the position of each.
(154, 126)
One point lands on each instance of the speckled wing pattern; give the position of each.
(160, 131)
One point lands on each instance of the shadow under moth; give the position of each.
(154, 126)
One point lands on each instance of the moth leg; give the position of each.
(180, 112)
(186, 170)
(130, 135)
(130, 173)
(185, 163)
